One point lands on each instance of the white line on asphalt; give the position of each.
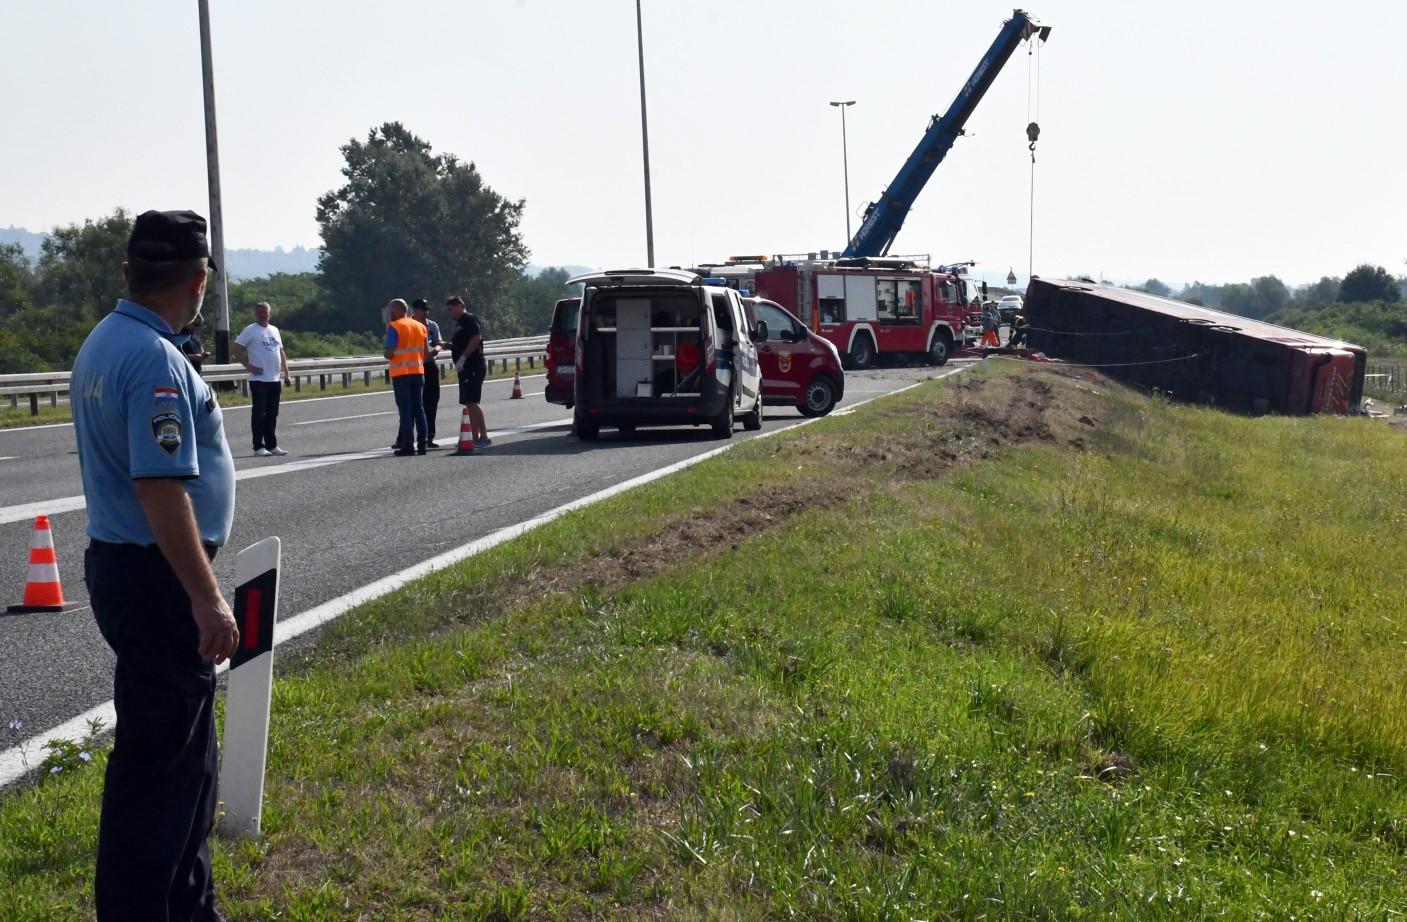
(8, 458)
(246, 406)
(14, 762)
(338, 419)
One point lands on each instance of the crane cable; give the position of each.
(1033, 132)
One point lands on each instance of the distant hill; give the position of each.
(27, 239)
(253, 264)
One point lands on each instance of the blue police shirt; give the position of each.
(140, 410)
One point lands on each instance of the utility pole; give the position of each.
(221, 294)
(845, 159)
(645, 140)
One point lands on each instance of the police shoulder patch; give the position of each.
(166, 429)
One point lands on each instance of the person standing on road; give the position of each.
(406, 350)
(188, 341)
(467, 350)
(420, 309)
(259, 348)
(160, 488)
(1019, 328)
(991, 326)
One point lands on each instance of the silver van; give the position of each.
(660, 347)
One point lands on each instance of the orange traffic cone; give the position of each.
(517, 388)
(466, 435)
(42, 591)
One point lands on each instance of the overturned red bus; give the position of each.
(1194, 353)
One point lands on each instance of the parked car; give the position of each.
(1008, 307)
(659, 347)
(799, 368)
(561, 352)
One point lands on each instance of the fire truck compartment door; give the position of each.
(859, 297)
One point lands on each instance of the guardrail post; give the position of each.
(298, 384)
(33, 404)
(14, 401)
(366, 378)
(346, 380)
(322, 382)
(244, 387)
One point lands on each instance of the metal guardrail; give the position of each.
(324, 370)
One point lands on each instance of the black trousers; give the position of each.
(159, 798)
(432, 396)
(263, 415)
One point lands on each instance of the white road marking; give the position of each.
(15, 762)
(443, 384)
(338, 419)
(8, 458)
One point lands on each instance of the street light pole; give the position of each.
(645, 141)
(220, 295)
(845, 158)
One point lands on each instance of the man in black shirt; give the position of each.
(467, 350)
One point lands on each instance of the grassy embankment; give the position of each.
(1023, 646)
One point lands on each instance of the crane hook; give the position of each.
(1033, 132)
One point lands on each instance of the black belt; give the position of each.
(115, 547)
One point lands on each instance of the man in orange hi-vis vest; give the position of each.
(407, 351)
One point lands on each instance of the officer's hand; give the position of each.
(254, 369)
(219, 636)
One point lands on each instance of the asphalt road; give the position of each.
(348, 511)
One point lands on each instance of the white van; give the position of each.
(658, 347)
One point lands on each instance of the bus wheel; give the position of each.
(862, 353)
(940, 350)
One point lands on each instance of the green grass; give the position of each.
(967, 658)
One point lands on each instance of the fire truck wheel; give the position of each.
(723, 423)
(820, 397)
(940, 349)
(862, 352)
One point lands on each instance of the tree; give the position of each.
(1324, 291)
(530, 301)
(14, 280)
(80, 267)
(407, 224)
(1369, 283)
(1155, 287)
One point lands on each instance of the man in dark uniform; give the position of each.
(467, 350)
(420, 310)
(159, 483)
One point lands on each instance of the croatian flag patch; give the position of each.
(166, 393)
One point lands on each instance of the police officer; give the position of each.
(420, 310)
(159, 483)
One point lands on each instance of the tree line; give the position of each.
(406, 222)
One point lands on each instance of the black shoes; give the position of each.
(404, 452)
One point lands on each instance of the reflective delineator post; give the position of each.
(250, 689)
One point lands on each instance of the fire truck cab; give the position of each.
(868, 307)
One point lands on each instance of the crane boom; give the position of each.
(884, 218)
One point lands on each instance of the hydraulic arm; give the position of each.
(885, 217)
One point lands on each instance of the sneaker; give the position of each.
(431, 444)
(420, 451)
(484, 442)
(278, 451)
(261, 452)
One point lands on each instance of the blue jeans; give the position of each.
(410, 401)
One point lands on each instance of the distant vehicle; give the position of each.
(561, 352)
(799, 368)
(1009, 306)
(658, 347)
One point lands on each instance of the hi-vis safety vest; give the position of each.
(409, 355)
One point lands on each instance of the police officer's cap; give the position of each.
(169, 237)
(420, 304)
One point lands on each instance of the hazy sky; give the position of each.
(1203, 139)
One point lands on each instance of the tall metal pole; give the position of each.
(221, 294)
(645, 140)
(845, 158)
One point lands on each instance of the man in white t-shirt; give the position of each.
(259, 348)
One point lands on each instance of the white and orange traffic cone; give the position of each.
(466, 435)
(42, 591)
(517, 388)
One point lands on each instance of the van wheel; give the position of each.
(753, 421)
(862, 353)
(820, 397)
(586, 430)
(940, 349)
(723, 423)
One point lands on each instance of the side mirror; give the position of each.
(759, 332)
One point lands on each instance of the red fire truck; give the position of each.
(869, 306)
